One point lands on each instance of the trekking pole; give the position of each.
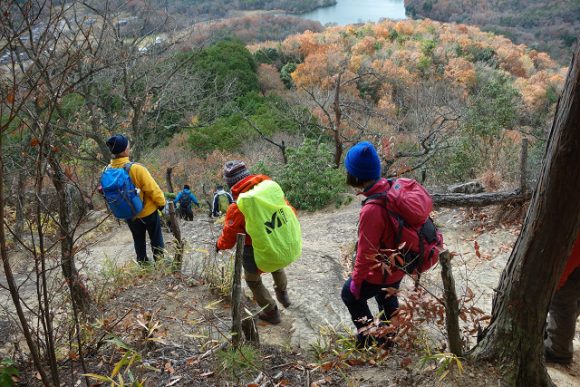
(237, 292)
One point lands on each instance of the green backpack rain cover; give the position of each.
(272, 225)
(223, 203)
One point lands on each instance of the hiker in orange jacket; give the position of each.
(239, 179)
(564, 311)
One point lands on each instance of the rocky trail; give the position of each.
(315, 280)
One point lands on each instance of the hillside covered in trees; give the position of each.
(448, 98)
(212, 9)
(549, 26)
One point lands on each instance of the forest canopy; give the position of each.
(549, 26)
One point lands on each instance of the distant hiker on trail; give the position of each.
(273, 235)
(564, 311)
(148, 198)
(377, 270)
(221, 201)
(185, 199)
(165, 216)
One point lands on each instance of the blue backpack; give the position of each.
(121, 195)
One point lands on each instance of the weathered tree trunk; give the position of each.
(478, 200)
(514, 336)
(451, 304)
(338, 147)
(168, 179)
(13, 287)
(19, 197)
(524, 188)
(79, 293)
(237, 292)
(251, 330)
(176, 231)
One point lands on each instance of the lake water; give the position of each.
(356, 11)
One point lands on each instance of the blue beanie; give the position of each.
(117, 143)
(362, 162)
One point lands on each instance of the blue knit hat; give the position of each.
(117, 143)
(362, 162)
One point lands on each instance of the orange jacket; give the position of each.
(235, 222)
(573, 262)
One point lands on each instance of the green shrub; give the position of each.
(286, 74)
(493, 105)
(227, 61)
(226, 134)
(458, 162)
(427, 47)
(267, 55)
(424, 65)
(230, 132)
(552, 95)
(310, 180)
(7, 371)
(239, 362)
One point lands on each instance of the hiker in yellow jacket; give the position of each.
(147, 221)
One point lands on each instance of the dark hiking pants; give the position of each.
(254, 280)
(151, 225)
(359, 309)
(564, 310)
(185, 213)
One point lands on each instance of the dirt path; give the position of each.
(315, 280)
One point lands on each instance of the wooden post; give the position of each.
(524, 167)
(451, 304)
(176, 231)
(237, 292)
(250, 329)
(168, 179)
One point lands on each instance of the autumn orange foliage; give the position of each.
(395, 50)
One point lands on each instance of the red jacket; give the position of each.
(573, 262)
(375, 235)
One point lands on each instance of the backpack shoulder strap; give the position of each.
(378, 198)
(381, 199)
(127, 167)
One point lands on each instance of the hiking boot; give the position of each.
(363, 341)
(551, 358)
(271, 316)
(282, 297)
(368, 341)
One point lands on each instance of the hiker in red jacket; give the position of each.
(564, 311)
(375, 234)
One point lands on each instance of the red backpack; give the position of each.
(408, 207)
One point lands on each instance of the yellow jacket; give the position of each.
(151, 194)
